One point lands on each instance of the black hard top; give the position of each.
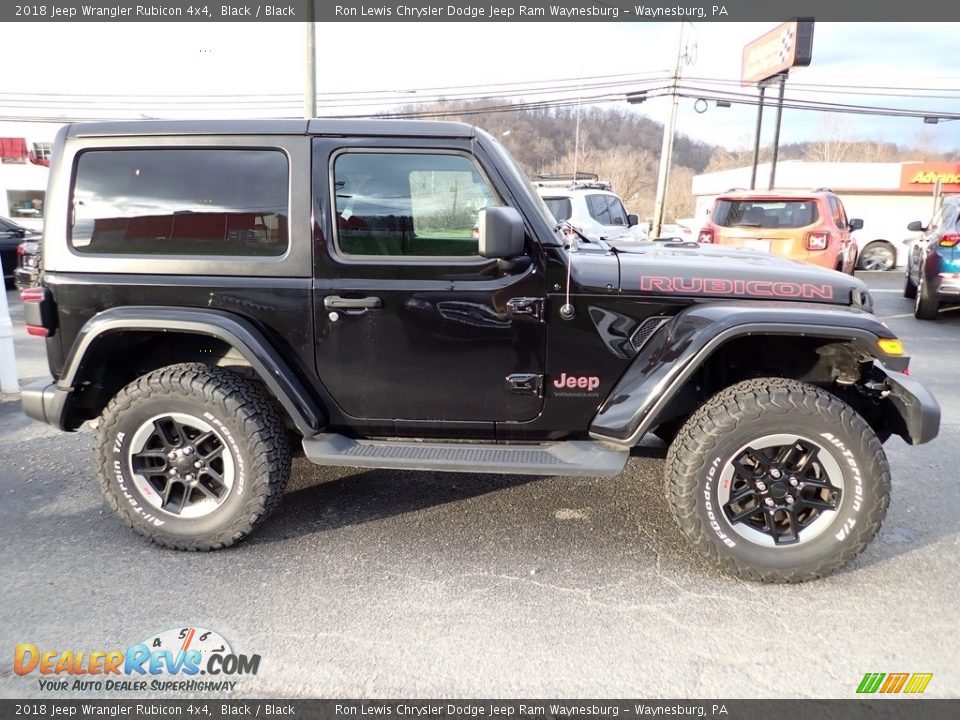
(315, 126)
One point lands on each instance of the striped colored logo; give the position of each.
(892, 683)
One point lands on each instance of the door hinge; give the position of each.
(531, 307)
(525, 384)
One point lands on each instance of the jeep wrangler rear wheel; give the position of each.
(192, 457)
(777, 481)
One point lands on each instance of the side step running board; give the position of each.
(581, 457)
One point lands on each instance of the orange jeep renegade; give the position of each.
(806, 226)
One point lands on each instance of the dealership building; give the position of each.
(886, 196)
(24, 170)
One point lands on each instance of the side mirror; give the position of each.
(501, 233)
(633, 220)
(916, 226)
(856, 224)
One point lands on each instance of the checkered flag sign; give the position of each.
(786, 43)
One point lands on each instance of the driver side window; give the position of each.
(409, 204)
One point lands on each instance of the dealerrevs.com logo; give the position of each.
(187, 659)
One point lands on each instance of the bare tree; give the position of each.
(833, 145)
(633, 174)
(680, 202)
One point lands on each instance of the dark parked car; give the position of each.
(933, 262)
(27, 273)
(11, 235)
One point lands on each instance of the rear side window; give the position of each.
(181, 202)
(839, 216)
(618, 215)
(606, 210)
(409, 204)
(559, 207)
(945, 218)
(599, 209)
(765, 213)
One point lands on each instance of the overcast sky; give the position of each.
(255, 60)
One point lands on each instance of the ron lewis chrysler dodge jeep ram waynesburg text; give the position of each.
(392, 294)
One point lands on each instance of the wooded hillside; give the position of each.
(624, 148)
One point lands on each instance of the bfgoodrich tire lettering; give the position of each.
(231, 420)
(772, 407)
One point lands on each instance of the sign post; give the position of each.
(771, 56)
(776, 132)
(8, 363)
(756, 139)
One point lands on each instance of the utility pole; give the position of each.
(310, 94)
(666, 148)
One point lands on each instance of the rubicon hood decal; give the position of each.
(738, 288)
(704, 271)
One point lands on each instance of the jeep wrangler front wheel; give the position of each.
(777, 481)
(191, 457)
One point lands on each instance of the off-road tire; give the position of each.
(909, 287)
(246, 420)
(737, 416)
(926, 306)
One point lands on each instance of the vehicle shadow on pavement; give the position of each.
(553, 524)
(626, 515)
(322, 499)
(328, 498)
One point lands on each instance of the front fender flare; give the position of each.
(680, 347)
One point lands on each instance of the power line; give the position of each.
(366, 98)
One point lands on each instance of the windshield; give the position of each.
(765, 213)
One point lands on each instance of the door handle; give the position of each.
(335, 302)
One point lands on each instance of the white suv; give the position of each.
(591, 207)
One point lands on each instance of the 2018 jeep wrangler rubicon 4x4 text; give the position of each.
(393, 294)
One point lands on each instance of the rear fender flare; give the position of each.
(268, 364)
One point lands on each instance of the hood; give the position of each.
(694, 270)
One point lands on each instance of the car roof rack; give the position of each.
(575, 184)
(572, 181)
(569, 177)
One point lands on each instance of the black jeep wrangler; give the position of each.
(392, 294)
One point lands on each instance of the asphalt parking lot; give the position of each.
(398, 584)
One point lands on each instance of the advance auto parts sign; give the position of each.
(786, 46)
(920, 177)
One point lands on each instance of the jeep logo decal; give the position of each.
(577, 382)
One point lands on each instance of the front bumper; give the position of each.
(913, 403)
(44, 401)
